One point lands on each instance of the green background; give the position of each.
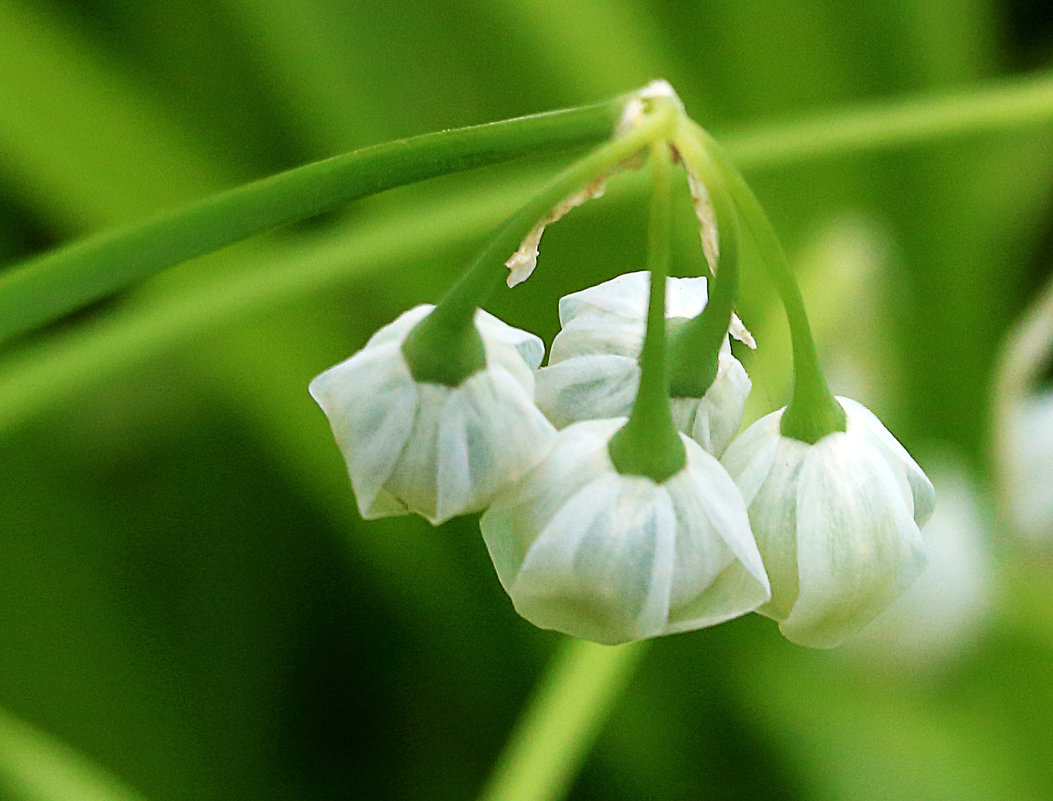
(187, 594)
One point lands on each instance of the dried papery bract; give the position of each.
(837, 521)
(522, 263)
(428, 448)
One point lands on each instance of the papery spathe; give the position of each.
(428, 448)
(607, 557)
(837, 522)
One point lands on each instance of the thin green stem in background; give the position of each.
(895, 123)
(562, 720)
(69, 278)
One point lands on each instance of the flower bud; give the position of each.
(436, 450)
(608, 557)
(837, 522)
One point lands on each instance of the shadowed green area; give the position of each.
(187, 595)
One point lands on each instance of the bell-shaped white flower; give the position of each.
(587, 551)
(837, 522)
(594, 370)
(428, 448)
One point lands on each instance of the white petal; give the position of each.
(587, 388)
(596, 570)
(523, 508)
(750, 456)
(765, 467)
(685, 297)
(719, 570)
(529, 347)
(399, 328)
(371, 402)
(922, 493)
(490, 435)
(414, 480)
(591, 334)
(624, 296)
(718, 416)
(857, 544)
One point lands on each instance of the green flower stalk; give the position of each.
(648, 444)
(813, 412)
(444, 348)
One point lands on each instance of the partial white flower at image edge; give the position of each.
(428, 448)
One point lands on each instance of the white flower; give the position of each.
(593, 370)
(428, 448)
(837, 522)
(607, 557)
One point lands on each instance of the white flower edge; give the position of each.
(625, 298)
(427, 448)
(611, 558)
(838, 522)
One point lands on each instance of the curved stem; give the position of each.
(48, 287)
(884, 125)
(564, 717)
(648, 444)
(812, 412)
(428, 347)
(695, 349)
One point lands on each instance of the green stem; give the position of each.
(444, 347)
(812, 412)
(46, 288)
(648, 444)
(695, 348)
(557, 729)
(885, 125)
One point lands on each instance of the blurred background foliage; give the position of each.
(187, 594)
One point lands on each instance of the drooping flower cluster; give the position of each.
(811, 517)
